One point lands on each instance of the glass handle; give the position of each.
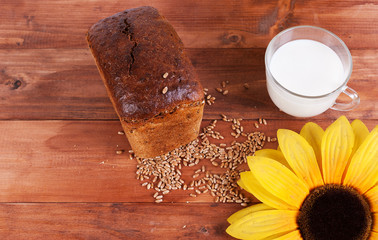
(355, 100)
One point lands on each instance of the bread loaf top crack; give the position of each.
(133, 50)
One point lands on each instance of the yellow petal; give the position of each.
(373, 236)
(273, 154)
(278, 180)
(372, 195)
(262, 224)
(293, 235)
(241, 184)
(313, 134)
(363, 169)
(248, 210)
(375, 225)
(360, 133)
(337, 144)
(254, 187)
(300, 156)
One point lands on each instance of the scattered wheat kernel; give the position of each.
(144, 184)
(243, 204)
(165, 75)
(159, 197)
(119, 152)
(215, 163)
(159, 200)
(246, 85)
(192, 195)
(165, 90)
(264, 122)
(223, 84)
(198, 191)
(273, 139)
(219, 90)
(121, 132)
(225, 92)
(195, 175)
(256, 125)
(165, 192)
(184, 187)
(206, 89)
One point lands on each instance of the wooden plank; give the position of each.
(114, 221)
(76, 161)
(65, 84)
(201, 24)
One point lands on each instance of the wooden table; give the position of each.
(60, 176)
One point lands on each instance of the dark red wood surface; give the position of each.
(60, 176)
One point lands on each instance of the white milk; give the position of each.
(307, 68)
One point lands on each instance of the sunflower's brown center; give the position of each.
(335, 211)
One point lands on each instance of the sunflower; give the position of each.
(318, 185)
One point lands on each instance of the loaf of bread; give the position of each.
(149, 79)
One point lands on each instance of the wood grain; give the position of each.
(201, 24)
(76, 161)
(60, 175)
(114, 221)
(65, 84)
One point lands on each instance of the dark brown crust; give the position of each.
(133, 49)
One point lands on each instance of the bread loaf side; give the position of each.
(150, 80)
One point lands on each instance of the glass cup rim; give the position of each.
(317, 28)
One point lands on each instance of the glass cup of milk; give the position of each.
(307, 68)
